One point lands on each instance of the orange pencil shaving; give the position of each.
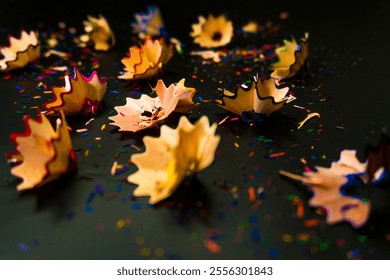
(212, 246)
(311, 222)
(252, 193)
(300, 208)
(274, 155)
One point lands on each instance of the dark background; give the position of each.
(348, 66)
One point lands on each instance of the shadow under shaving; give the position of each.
(378, 224)
(56, 195)
(274, 126)
(191, 199)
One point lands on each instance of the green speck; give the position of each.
(194, 236)
(362, 238)
(58, 231)
(324, 245)
(243, 224)
(291, 197)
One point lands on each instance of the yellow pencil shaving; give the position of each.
(292, 175)
(113, 168)
(308, 117)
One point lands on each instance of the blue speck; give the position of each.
(23, 247)
(91, 196)
(221, 215)
(355, 252)
(253, 219)
(256, 234)
(99, 188)
(234, 203)
(137, 206)
(88, 208)
(273, 253)
(122, 170)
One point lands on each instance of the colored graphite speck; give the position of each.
(353, 254)
(221, 216)
(90, 198)
(287, 238)
(122, 170)
(122, 150)
(145, 252)
(243, 224)
(255, 235)
(234, 203)
(275, 155)
(113, 168)
(136, 206)
(253, 219)
(159, 252)
(273, 253)
(251, 193)
(324, 245)
(36, 242)
(311, 222)
(212, 246)
(264, 140)
(120, 223)
(23, 247)
(194, 236)
(119, 188)
(303, 237)
(340, 242)
(112, 196)
(140, 240)
(99, 188)
(300, 208)
(135, 147)
(58, 231)
(362, 238)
